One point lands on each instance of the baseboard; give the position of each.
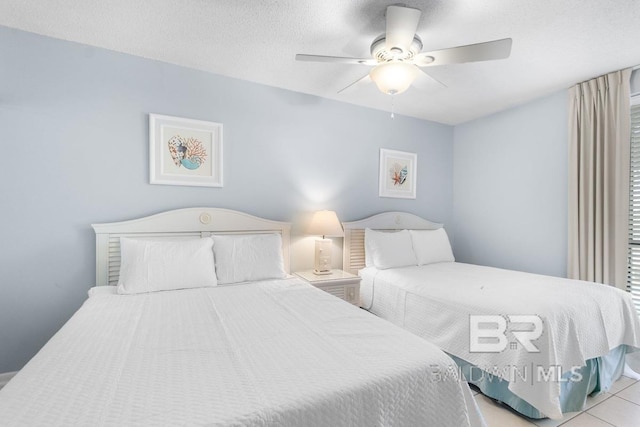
(5, 377)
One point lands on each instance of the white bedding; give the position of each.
(267, 353)
(581, 320)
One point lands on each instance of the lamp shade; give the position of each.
(325, 223)
(394, 77)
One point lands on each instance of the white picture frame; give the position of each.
(185, 151)
(398, 172)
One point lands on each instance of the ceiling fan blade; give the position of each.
(427, 81)
(402, 23)
(497, 49)
(361, 81)
(336, 59)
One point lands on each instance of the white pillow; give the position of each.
(248, 257)
(431, 246)
(389, 249)
(162, 265)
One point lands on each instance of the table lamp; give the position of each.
(324, 223)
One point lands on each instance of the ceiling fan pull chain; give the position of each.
(393, 98)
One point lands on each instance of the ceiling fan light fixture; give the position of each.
(394, 77)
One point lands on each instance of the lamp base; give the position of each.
(322, 262)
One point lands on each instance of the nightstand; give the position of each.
(339, 283)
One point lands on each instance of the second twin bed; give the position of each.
(540, 344)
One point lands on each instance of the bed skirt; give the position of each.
(597, 377)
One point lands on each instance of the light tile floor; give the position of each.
(620, 407)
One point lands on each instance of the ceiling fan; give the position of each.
(397, 57)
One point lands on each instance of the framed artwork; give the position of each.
(398, 170)
(185, 151)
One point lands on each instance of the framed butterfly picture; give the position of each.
(185, 151)
(398, 171)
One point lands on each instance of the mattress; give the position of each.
(266, 353)
(580, 320)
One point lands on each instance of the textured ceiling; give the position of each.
(555, 43)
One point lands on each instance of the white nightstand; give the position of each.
(339, 283)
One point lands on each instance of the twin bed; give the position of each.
(580, 331)
(161, 342)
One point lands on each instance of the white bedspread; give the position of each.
(581, 320)
(263, 354)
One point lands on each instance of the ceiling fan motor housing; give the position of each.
(380, 52)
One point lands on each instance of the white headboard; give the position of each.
(180, 223)
(353, 254)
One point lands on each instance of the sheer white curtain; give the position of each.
(599, 179)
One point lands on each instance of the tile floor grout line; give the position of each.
(585, 412)
(604, 421)
(600, 403)
(624, 388)
(627, 400)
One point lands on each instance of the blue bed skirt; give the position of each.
(597, 376)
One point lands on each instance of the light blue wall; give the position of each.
(510, 188)
(73, 128)
(74, 137)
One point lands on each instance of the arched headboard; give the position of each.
(179, 223)
(353, 253)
